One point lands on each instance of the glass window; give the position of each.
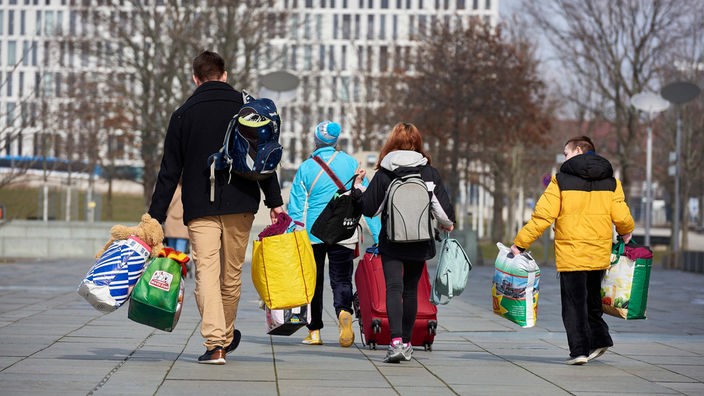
(319, 26)
(307, 57)
(394, 27)
(9, 84)
(382, 27)
(321, 57)
(383, 58)
(23, 15)
(331, 58)
(11, 113)
(11, 53)
(487, 4)
(306, 27)
(475, 4)
(2, 15)
(357, 26)
(343, 57)
(346, 26)
(384, 3)
(370, 27)
(49, 22)
(26, 55)
(422, 22)
(345, 89)
(11, 22)
(460, 4)
(335, 26)
(48, 84)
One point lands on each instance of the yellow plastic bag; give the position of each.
(283, 270)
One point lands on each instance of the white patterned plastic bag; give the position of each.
(109, 282)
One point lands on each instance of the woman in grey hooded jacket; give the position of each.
(402, 263)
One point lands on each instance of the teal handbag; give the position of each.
(452, 272)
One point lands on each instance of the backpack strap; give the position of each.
(222, 155)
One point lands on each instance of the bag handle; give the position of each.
(316, 158)
(334, 178)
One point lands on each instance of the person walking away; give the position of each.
(311, 191)
(175, 232)
(218, 230)
(584, 200)
(403, 262)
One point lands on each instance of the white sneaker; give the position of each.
(395, 353)
(597, 352)
(407, 351)
(577, 361)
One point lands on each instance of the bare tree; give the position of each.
(152, 45)
(609, 51)
(477, 96)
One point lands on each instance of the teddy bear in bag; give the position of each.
(109, 282)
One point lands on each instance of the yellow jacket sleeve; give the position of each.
(620, 214)
(546, 211)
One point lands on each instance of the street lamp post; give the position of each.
(652, 104)
(678, 92)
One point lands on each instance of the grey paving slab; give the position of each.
(53, 342)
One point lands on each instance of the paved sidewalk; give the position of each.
(52, 342)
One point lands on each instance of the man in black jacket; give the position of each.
(219, 229)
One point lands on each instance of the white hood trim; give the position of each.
(403, 159)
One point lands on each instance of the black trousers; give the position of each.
(401, 278)
(580, 292)
(340, 262)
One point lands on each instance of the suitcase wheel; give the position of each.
(376, 326)
(428, 347)
(432, 327)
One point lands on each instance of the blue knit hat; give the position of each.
(326, 134)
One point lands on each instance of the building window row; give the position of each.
(385, 4)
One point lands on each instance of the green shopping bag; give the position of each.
(624, 289)
(157, 298)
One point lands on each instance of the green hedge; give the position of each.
(25, 203)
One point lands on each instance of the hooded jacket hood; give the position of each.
(403, 159)
(588, 166)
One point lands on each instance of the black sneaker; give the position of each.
(236, 337)
(213, 356)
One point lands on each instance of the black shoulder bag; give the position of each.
(340, 218)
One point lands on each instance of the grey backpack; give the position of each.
(408, 210)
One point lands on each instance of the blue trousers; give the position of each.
(340, 270)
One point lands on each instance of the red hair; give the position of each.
(404, 136)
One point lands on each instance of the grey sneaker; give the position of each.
(407, 351)
(395, 353)
(597, 352)
(577, 361)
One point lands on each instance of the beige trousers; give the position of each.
(218, 246)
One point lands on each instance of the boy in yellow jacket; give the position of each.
(585, 201)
